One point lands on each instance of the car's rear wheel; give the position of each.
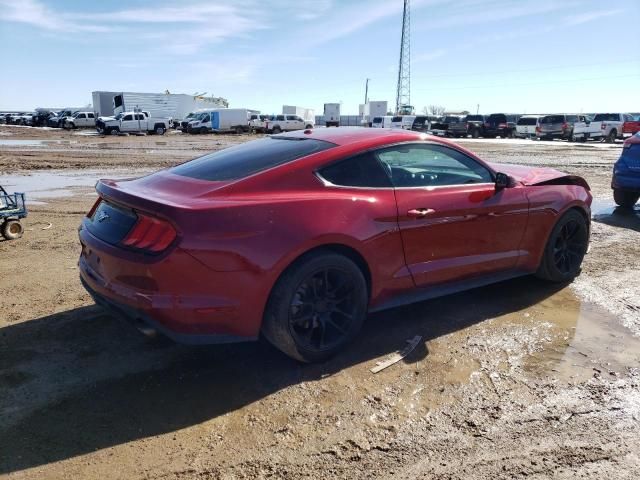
(160, 130)
(624, 198)
(276, 130)
(114, 131)
(611, 138)
(317, 307)
(565, 249)
(475, 133)
(12, 229)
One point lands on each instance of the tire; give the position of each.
(202, 130)
(309, 127)
(239, 130)
(312, 283)
(565, 249)
(114, 131)
(611, 138)
(571, 138)
(475, 133)
(159, 130)
(625, 199)
(276, 130)
(12, 229)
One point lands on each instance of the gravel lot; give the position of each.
(512, 380)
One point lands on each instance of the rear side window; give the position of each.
(249, 158)
(396, 119)
(498, 117)
(377, 120)
(360, 171)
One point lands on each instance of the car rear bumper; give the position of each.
(626, 180)
(176, 295)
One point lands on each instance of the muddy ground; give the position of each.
(512, 380)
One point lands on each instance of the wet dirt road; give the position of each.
(512, 380)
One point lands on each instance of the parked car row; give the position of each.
(571, 127)
(240, 120)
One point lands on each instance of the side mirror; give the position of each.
(503, 181)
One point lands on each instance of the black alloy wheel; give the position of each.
(316, 307)
(322, 309)
(565, 248)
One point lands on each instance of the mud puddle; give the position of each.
(606, 211)
(59, 183)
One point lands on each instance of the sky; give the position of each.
(516, 56)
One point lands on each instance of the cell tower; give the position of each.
(403, 95)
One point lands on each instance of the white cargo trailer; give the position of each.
(307, 114)
(332, 114)
(231, 119)
(373, 109)
(175, 106)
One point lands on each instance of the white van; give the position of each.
(381, 122)
(403, 121)
(526, 126)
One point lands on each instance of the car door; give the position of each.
(91, 120)
(453, 222)
(127, 123)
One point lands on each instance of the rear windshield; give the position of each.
(498, 117)
(475, 118)
(396, 119)
(552, 119)
(606, 117)
(527, 121)
(249, 158)
(377, 120)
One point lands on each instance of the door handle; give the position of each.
(420, 212)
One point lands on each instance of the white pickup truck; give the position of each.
(610, 124)
(132, 122)
(287, 123)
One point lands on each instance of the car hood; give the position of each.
(535, 175)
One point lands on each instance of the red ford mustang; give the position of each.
(297, 236)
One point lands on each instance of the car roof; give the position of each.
(351, 135)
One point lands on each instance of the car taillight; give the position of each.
(486, 124)
(150, 233)
(502, 125)
(603, 126)
(565, 125)
(94, 208)
(538, 128)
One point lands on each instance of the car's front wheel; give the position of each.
(565, 249)
(624, 198)
(317, 307)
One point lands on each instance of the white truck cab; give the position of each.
(80, 120)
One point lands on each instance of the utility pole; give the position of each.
(366, 91)
(403, 93)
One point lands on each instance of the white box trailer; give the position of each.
(373, 109)
(332, 114)
(174, 106)
(231, 119)
(307, 114)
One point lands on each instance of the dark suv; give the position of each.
(500, 124)
(470, 125)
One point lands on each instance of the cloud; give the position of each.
(428, 56)
(35, 14)
(585, 17)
